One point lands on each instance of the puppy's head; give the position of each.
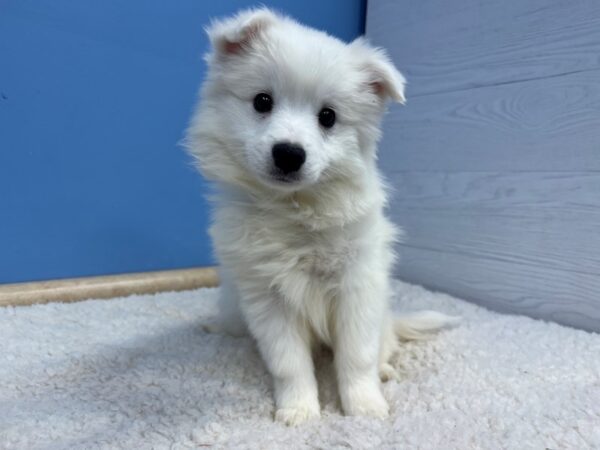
(289, 107)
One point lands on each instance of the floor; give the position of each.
(139, 372)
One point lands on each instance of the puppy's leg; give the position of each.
(284, 343)
(358, 327)
(389, 347)
(229, 319)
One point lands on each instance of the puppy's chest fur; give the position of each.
(276, 257)
(272, 243)
(325, 254)
(297, 258)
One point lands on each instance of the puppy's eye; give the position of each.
(327, 117)
(263, 103)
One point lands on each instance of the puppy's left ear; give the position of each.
(382, 76)
(235, 34)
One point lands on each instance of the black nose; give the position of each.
(288, 157)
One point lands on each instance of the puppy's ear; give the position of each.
(381, 74)
(233, 35)
(387, 81)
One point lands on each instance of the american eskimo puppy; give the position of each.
(287, 127)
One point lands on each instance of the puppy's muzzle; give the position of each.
(288, 157)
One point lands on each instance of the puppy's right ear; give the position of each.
(235, 34)
(382, 76)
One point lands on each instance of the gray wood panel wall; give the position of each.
(495, 159)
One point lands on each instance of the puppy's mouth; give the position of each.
(286, 178)
(289, 180)
(285, 181)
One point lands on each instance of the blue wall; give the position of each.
(94, 97)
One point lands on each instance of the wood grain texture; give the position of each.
(546, 125)
(495, 160)
(518, 242)
(449, 46)
(540, 220)
(567, 298)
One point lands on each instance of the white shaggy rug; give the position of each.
(139, 372)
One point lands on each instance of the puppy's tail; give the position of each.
(422, 324)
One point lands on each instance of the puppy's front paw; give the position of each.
(296, 415)
(365, 401)
(387, 372)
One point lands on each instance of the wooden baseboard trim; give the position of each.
(76, 289)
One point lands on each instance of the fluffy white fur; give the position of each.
(305, 262)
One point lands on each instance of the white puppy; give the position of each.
(287, 128)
